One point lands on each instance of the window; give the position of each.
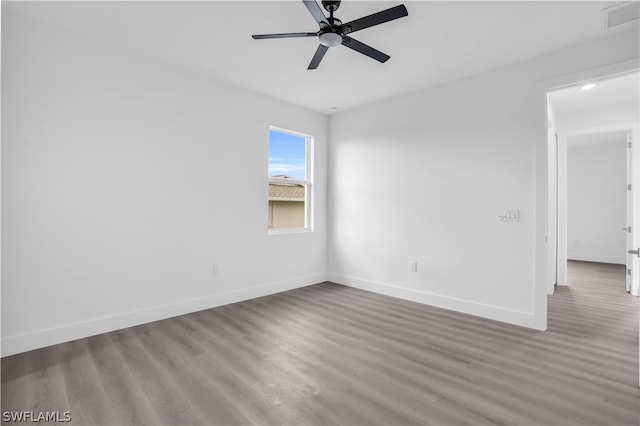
(290, 190)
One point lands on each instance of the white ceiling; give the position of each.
(437, 42)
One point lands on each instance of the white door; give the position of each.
(633, 213)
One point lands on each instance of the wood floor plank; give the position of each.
(88, 401)
(155, 382)
(127, 403)
(333, 355)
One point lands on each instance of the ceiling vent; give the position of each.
(621, 13)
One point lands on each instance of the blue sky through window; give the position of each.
(287, 155)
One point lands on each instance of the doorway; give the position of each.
(591, 129)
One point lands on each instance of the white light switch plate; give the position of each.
(510, 216)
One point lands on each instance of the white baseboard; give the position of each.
(50, 336)
(524, 319)
(590, 257)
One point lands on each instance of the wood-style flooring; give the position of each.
(329, 354)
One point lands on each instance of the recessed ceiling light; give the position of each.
(588, 86)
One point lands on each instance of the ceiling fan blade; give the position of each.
(375, 19)
(283, 35)
(364, 49)
(317, 57)
(316, 12)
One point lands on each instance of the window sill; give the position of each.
(283, 231)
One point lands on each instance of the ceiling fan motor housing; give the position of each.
(331, 36)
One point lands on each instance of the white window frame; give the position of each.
(307, 184)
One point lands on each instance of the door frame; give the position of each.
(541, 174)
(552, 208)
(562, 224)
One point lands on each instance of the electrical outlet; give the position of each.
(414, 266)
(216, 269)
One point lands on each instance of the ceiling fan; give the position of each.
(333, 32)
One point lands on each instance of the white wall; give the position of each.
(124, 181)
(422, 177)
(597, 117)
(596, 201)
(561, 237)
(552, 200)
